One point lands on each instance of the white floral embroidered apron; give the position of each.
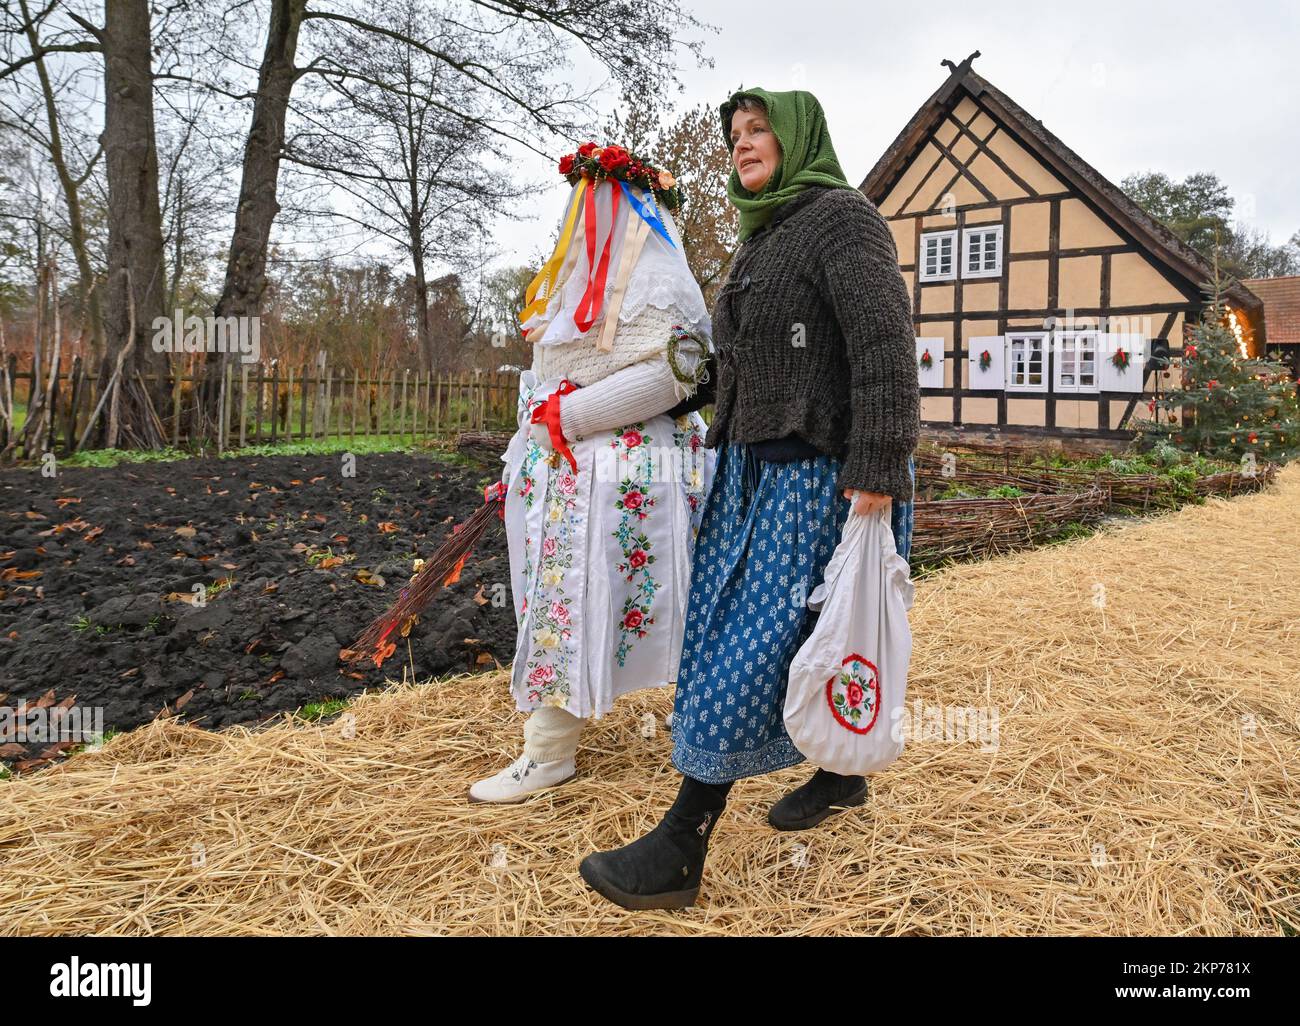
(600, 559)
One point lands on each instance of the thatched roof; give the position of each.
(1162, 244)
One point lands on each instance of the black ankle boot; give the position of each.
(824, 795)
(663, 868)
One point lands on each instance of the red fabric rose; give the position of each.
(566, 164)
(614, 157)
(633, 619)
(585, 150)
(632, 500)
(632, 439)
(637, 559)
(855, 694)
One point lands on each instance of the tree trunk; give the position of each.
(241, 296)
(135, 280)
(428, 358)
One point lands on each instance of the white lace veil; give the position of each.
(660, 278)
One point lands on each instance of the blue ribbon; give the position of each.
(647, 212)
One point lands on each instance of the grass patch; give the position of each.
(366, 445)
(314, 711)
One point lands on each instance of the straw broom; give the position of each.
(378, 641)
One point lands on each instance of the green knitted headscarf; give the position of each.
(807, 156)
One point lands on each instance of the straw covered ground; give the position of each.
(1143, 778)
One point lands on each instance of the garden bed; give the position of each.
(98, 569)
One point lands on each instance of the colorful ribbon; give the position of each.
(648, 213)
(542, 288)
(548, 411)
(594, 297)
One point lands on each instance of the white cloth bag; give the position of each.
(848, 681)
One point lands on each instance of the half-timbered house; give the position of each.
(1045, 300)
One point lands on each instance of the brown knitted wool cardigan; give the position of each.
(813, 335)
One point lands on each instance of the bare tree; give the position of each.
(26, 113)
(508, 53)
(135, 279)
(419, 176)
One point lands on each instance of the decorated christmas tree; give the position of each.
(1232, 404)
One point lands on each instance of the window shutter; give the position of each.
(931, 377)
(1130, 379)
(995, 376)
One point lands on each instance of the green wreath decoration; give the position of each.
(676, 338)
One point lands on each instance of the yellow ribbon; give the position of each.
(542, 287)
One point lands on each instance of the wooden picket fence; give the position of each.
(270, 405)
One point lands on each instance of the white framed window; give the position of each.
(939, 256)
(981, 251)
(1027, 361)
(1076, 361)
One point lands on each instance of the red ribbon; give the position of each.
(594, 297)
(548, 412)
(496, 493)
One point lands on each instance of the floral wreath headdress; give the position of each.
(598, 163)
(634, 180)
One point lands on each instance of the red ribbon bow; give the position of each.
(496, 493)
(548, 412)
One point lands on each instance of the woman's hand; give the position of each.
(867, 502)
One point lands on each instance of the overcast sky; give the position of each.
(1129, 86)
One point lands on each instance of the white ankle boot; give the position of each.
(520, 779)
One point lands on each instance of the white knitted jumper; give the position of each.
(630, 383)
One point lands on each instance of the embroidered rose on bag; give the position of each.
(854, 694)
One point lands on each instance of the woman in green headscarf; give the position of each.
(817, 412)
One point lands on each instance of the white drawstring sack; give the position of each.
(848, 681)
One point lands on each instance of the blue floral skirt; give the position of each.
(767, 533)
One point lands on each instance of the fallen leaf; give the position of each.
(276, 676)
(484, 658)
(180, 702)
(364, 576)
(92, 534)
(187, 597)
(388, 527)
(31, 514)
(66, 500)
(330, 562)
(14, 574)
(454, 576)
(186, 532)
(479, 597)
